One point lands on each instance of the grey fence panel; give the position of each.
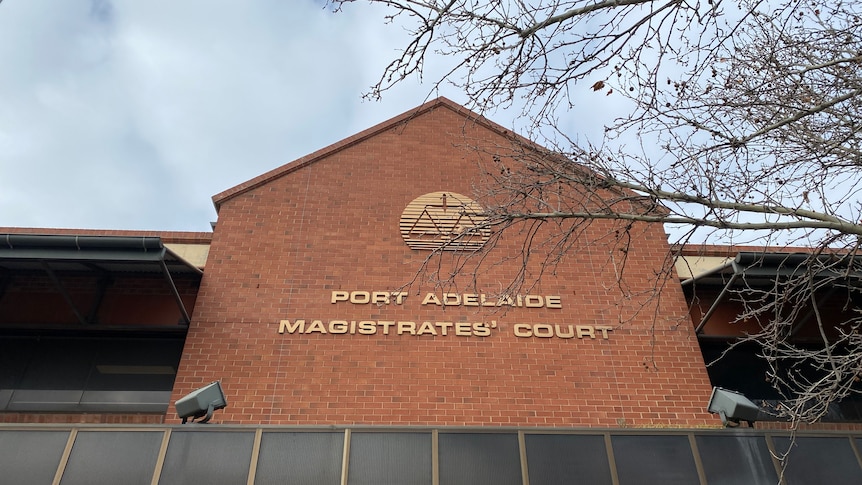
(733, 459)
(479, 458)
(300, 458)
(660, 460)
(31, 457)
(207, 457)
(380, 458)
(818, 460)
(567, 458)
(127, 457)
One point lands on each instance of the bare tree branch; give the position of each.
(744, 124)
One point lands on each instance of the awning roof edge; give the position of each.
(145, 251)
(763, 265)
(128, 249)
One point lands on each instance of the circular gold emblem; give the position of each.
(444, 221)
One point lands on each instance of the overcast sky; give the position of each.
(133, 114)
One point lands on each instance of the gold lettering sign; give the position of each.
(380, 298)
(387, 327)
(301, 326)
(546, 330)
(444, 221)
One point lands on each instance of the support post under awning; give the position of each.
(173, 287)
(62, 290)
(718, 300)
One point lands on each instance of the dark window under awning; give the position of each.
(718, 297)
(91, 323)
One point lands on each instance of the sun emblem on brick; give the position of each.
(444, 221)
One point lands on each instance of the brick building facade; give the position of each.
(286, 241)
(351, 353)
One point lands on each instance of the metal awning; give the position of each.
(762, 268)
(102, 255)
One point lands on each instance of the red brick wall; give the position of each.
(281, 248)
(89, 418)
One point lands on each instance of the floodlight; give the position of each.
(201, 402)
(732, 406)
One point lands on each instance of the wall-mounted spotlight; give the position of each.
(733, 407)
(201, 402)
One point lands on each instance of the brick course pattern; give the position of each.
(330, 222)
(85, 418)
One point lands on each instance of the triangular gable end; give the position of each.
(309, 159)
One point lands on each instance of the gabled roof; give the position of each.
(405, 117)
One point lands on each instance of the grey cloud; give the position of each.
(131, 115)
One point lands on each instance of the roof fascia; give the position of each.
(176, 237)
(51, 248)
